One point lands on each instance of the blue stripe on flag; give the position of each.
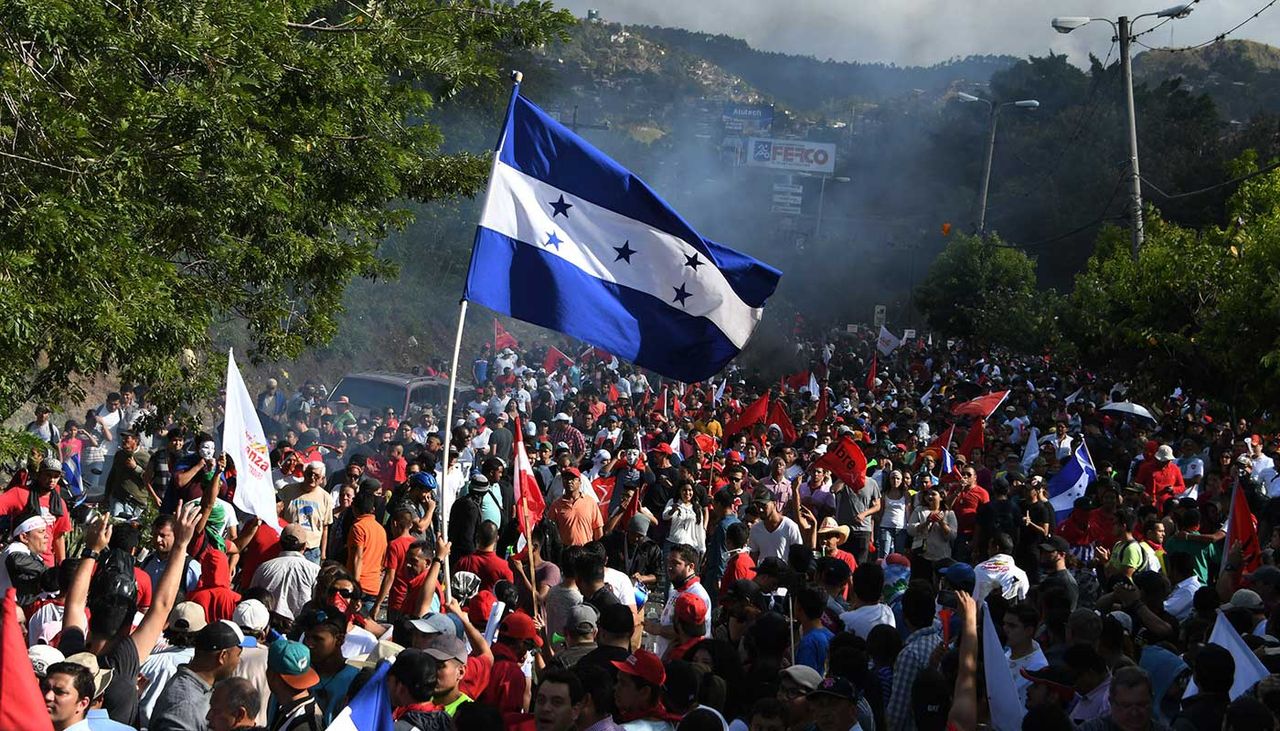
(1071, 482)
(537, 145)
(539, 287)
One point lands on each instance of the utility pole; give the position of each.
(986, 170)
(1135, 179)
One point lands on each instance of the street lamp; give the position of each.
(994, 113)
(822, 194)
(1123, 28)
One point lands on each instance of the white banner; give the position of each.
(246, 445)
(888, 342)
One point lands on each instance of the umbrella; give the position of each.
(1128, 407)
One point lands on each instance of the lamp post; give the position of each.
(1123, 27)
(822, 194)
(994, 114)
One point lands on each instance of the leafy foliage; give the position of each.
(167, 168)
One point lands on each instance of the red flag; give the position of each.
(633, 507)
(603, 487)
(942, 442)
(1243, 532)
(706, 443)
(846, 461)
(983, 406)
(871, 374)
(23, 708)
(778, 415)
(613, 393)
(502, 338)
(753, 414)
(823, 407)
(661, 406)
(677, 406)
(975, 439)
(528, 495)
(797, 381)
(554, 359)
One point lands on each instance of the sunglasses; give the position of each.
(344, 593)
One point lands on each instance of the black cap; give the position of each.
(772, 566)
(617, 619)
(222, 635)
(1057, 677)
(1055, 543)
(839, 687)
(744, 590)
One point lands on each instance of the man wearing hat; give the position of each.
(1164, 479)
(95, 717)
(42, 656)
(40, 497)
(563, 430)
(310, 505)
(451, 653)
(1049, 685)
(184, 703)
(580, 635)
(689, 625)
(577, 518)
(642, 556)
(638, 692)
(126, 493)
(291, 677)
(291, 576)
(517, 637)
(834, 705)
(482, 501)
(186, 620)
(616, 629)
(1053, 568)
(254, 619)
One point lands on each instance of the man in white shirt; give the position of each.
(774, 534)
(682, 570)
(1259, 460)
(1182, 574)
(1000, 571)
(290, 577)
(868, 611)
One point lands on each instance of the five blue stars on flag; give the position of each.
(560, 207)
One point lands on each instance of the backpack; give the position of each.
(115, 575)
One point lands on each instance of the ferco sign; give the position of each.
(799, 155)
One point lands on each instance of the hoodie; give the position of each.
(214, 591)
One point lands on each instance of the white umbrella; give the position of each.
(1128, 407)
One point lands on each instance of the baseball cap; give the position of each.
(583, 619)
(960, 576)
(771, 566)
(561, 417)
(1055, 543)
(251, 615)
(838, 687)
(803, 676)
(296, 534)
(221, 635)
(644, 665)
(690, 608)
(384, 650)
(664, 448)
(42, 656)
(519, 625)
(292, 662)
(51, 465)
(617, 619)
(1265, 575)
(447, 647)
(101, 677)
(434, 623)
(1246, 599)
(1058, 678)
(344, 400)
(188, 617)
(571, 472)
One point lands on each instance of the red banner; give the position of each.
(752, 415)
(502, 338)
(554, 359)
(983, 406)
(846, 462)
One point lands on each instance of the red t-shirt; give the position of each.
(394, 561)
(144, 587)
(849, 561)
(487, 566)
(740, 566)
(264, 547)
(476, 678)
(13, 502)
(966, 508)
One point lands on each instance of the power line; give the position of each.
(1066, 234)
(1216, 39)
(1174, 196)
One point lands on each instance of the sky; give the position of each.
(924, 32)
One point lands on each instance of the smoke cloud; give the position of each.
(925, 32)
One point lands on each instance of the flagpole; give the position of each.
(516, 78)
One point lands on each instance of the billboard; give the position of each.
(747, 119)
(798, 155)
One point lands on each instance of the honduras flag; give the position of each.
(370, 710)
(71, 476)
(572, 241)
(948, 463)
(1069, 484)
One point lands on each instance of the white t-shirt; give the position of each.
(669, 612)
(1033, 660)
(860, 621)
(777, 543)
(621, 586)
(999, 570)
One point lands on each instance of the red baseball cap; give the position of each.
(519, 625)
(570, 471)
(690, 609)
(664, 448)
(644, 665)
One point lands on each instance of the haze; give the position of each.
(924, 32)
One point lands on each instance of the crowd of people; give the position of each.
(604, 549)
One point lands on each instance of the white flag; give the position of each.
(246, 445)
(1002, 694)
(676, 446)
(1075, 396)
(1032, 450)
(1249, 669)
(887, 342)
(928, 394)
(720, 391)
(814, 393)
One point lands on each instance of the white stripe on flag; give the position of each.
(518, 206)
(1002, 694)
(1249, 669)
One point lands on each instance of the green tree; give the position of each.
(984, 290)
(168, 168)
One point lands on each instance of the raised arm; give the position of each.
(97, 537)
(964, 706)
(166, 590)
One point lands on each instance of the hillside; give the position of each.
(1242, 77)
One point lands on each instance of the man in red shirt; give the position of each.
(517, 637)
(741, 565)
(1165, 479)
(965, 501)
(689, 625)
(42, 496)
(402, 521)
(485, 562)
(830, 537)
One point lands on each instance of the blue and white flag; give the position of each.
(572, 241)
(1070, 483)
(71, 476)
(948, 463)
(370, 710)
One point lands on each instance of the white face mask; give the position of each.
(206, 450)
